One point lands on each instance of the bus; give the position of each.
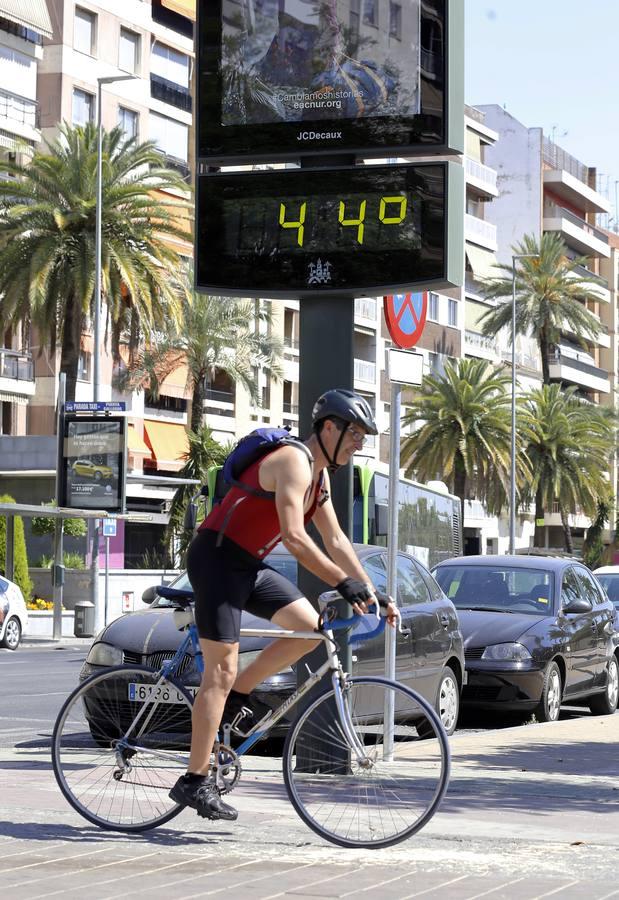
(430, 526)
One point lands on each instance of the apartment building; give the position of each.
(542, 188)
(23, 26)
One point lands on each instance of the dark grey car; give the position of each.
(538, 632)
(430, 656)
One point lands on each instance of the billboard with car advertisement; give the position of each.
(93, 463)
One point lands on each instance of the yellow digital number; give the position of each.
(358, 222)
(300, 224)
(392, 220)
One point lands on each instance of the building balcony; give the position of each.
(365, 371)
(19, 115)
(480, 177)
(585, 238)
(476, 344)
(17, 382)
(291, 409)
(599, 287)
(168, 92)
(603, 338)
(479, 232)
(578, 368)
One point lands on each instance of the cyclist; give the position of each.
(226, 569)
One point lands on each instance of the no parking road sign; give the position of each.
(406, 317)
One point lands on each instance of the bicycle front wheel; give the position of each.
(375, 797)
(120, 742)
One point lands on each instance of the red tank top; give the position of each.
(252, 522)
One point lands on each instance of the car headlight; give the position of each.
(104, 655)
(506, 652)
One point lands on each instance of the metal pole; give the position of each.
(392, 557)
(512, 485)
(107, 578)
(58, 570)
(94, 566)
(97, 301)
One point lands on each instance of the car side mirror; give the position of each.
(577, 605)
(149, 594)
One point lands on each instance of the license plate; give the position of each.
(163, 693)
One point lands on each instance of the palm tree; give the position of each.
(216, 334)
(47, 238)
(549, 297)
(568, 443)
(465, 431)
(204, 451)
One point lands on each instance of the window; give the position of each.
(570, 589)
(170, 64)
(83, 107)
(590, 589)
(128, 50)
(370, 12)
(84, 31)
(128, 121)
(433, 307)
(171, 137)
(411, 586)
(83, 366)
(395, 20)
(375, 567)
(453, 313)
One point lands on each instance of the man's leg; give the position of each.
(220, 662)
(194, 789)
(299, 615)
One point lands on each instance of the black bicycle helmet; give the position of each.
(347, 407)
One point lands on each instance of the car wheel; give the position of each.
(448, 700)
(12, 634)
(605, 704)
(549, 706)
(97, 476)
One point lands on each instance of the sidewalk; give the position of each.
(532, 812)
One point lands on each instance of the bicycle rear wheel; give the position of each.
(380, 801)
(119, 744)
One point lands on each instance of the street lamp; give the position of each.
(108, 79)
(512, 492)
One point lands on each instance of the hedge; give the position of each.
(21, 576)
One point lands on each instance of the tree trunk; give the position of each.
(567, 531)
(538, 537)
(460, 486)
(197, 403)
(71, 343)
(544, 349)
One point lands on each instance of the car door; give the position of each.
(428, 639)
(603, 616)
(581, 636)
(369, 656)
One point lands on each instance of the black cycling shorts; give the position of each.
(225, 582)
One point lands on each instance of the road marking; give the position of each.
(499, 887)
(435, 887)
(556, 890)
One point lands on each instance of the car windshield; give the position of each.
(610, 583)
(286, 565)
(501, 588)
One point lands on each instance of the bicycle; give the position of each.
(121, 741)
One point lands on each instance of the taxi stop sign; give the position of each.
(406, 316)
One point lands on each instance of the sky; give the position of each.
(552, 64)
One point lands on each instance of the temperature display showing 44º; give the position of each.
(294, 232)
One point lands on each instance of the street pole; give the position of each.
(392, 557)
(58, 567)
(98, 215)
(512, 480)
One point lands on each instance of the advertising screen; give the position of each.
(277, 78)
(294, 233)
(93, 463)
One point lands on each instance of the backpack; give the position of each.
(253, 447)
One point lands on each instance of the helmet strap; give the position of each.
(333, 464)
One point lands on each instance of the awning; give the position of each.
(183, 7)
(168, 442)
(20, 399)
(174, 384)
(31, 14)
(135, 442)
(482, 262)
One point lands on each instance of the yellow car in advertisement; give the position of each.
(85, 468)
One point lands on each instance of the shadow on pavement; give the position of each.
(165, 837)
